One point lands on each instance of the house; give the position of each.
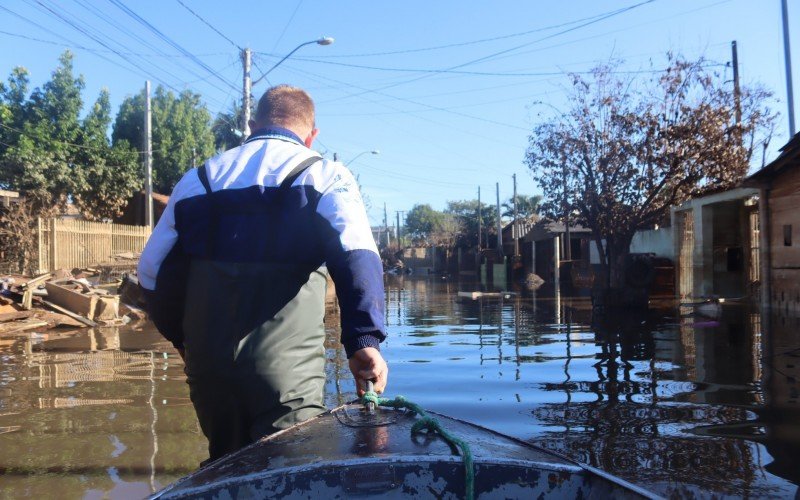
(545, 243)
(778, 186)
(716, 244)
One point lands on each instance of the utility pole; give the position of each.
(514, 227)
(246, 84)
(399, 229)
(386, 225)
(737, 95)
(499, 224)
(148, 158)
(480, 221)
(787, 54)
(567, 241)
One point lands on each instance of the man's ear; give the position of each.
(252, 124)
(310, 138)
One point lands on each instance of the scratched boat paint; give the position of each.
(677, 405)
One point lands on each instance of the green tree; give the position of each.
(181, 133)
(53, 156)
(467, 213)
(225, 128)
(421, 221)
(527, 206)
(627, 150)
(111, 174)
(40, 160)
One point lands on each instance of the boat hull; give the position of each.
(335, 457)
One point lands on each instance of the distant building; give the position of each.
(778, 186)
(133, 215)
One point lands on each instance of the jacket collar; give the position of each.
(275, 133)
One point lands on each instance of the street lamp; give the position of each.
(247, 84)
(326, 40)
(374, 152)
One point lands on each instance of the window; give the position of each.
(787, 235)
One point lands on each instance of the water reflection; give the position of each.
(678, 404)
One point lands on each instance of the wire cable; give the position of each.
(218, 32)
(288, 23)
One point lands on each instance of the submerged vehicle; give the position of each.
(354, 451)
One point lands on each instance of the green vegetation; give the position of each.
(181, 133)
(50, 154)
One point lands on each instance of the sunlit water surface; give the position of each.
(681, 405)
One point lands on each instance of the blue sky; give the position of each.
(380, 85)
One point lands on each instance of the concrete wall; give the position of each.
(657, 241)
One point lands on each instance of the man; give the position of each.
(232, 277)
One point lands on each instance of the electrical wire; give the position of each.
(512, 49)
(85, 32)
(286, 27)
(470, 42)
(124, 8)
(218, 32)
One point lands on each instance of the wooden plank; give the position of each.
(78, 303)
(21, 326)
(69, 313)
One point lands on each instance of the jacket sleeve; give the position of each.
(163, 270)
(353, 261)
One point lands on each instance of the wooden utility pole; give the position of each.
(399, 229)
(148, 159)
(787, 54)
(737, 95)
(567, 241)
(515, 228)
(499, 223)
(480, 222)
(386, 225)
(246, 91)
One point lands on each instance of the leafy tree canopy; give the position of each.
(181, 133)
(626, 148)
(52, 155)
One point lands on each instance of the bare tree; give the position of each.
(627, 149)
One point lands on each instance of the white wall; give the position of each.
(656, 241)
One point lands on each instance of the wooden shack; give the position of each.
(779, 194)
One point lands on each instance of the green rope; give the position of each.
(426, 422)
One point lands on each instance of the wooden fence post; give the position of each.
(53, 245)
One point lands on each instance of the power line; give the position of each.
(368, 91)
(218, 32)
(470, 42)
(505, 51)
(119, 4)
(288, 23)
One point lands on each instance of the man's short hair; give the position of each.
(285, 106)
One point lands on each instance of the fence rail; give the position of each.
(65, 243)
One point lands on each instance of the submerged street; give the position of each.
(679, 404)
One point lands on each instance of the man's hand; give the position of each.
(368, 364)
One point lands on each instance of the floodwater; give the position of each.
(682, 405)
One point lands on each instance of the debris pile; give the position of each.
(67, 299)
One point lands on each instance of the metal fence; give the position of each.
(65, 243)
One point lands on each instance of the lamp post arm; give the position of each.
(287, 56)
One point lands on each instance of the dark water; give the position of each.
(684, 406)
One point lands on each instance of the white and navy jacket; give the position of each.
(249, 212)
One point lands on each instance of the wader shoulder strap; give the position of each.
(203, 176)
(213, 222)
(296, 171)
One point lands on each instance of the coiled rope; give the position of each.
(431, 424)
